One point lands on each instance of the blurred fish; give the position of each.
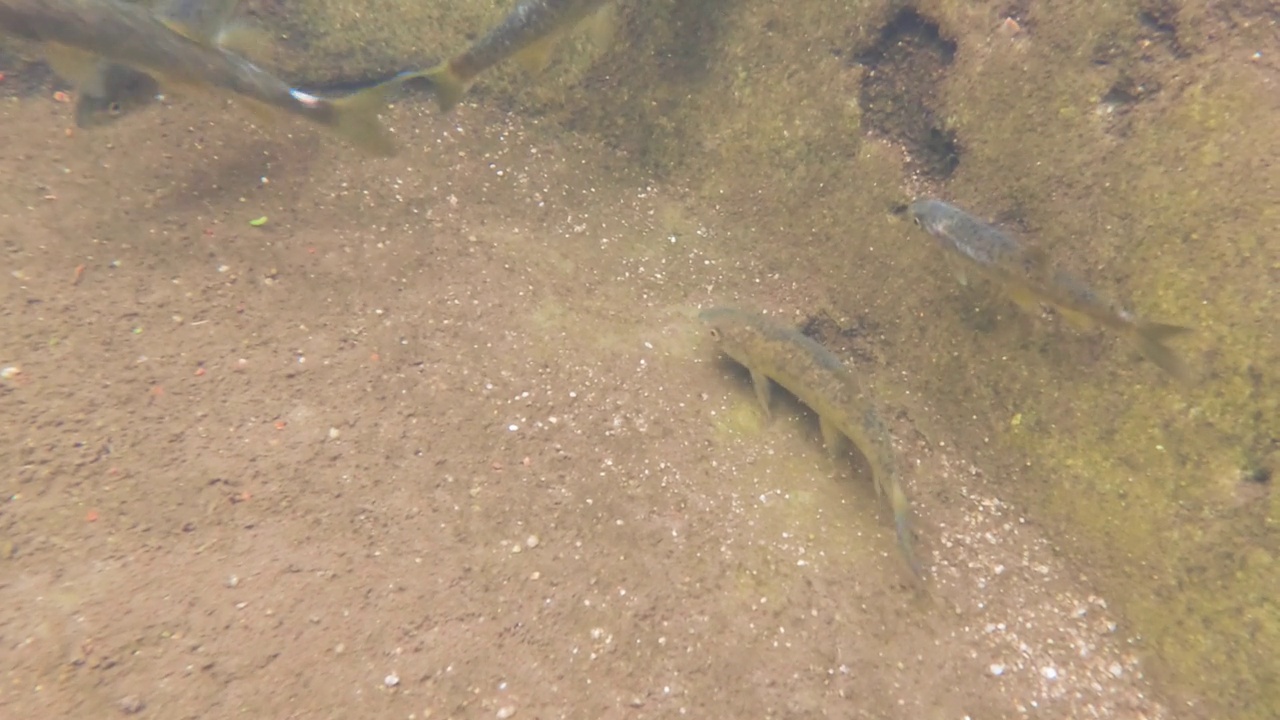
(125, 89)
(84, 38)
(777, 353)
(528, 34)
(1025, 276)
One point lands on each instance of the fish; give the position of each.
(124, 89)
(82, 38)
(528, 34)
(1025, 275)
(777, 353)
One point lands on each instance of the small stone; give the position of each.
(232, 581)
(531, 542)
(132, 705)
(505, 712)
(996, 669)
(535, 575)
(334, 433)
(391, 680)
(1116, 669)
(1049, 673)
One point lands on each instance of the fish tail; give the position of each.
(356, 119)
(1150, 337)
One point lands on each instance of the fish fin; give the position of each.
(602, 25)
(356, 119)
(958, 270)
(764, 391)
(262, 112)
(444, 83)
(244, 38)
(1035, 261)
(536, 57)
(1150, 338)
(1025, 299)
(1076, 319)
(79, 68)
(832, 438)
(188, 30)
(902, 528)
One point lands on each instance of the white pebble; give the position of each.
(1049, 672)
(506, 712)
(997, 669)
(1116, 669)
(391, 680)
(531, 542)
(334, 433)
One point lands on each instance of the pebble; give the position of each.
(132, 705)
(531, 542)
(391, 680)
(997, 669)
(1116, 670)
(506, 712)
(1049, 672)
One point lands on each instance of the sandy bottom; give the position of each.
(443, 439)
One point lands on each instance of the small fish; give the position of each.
(777, 353)
(84, 38)
(1024, 275)
(528, 34)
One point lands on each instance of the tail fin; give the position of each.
(1150, 337)
(356, 119)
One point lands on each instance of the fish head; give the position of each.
(124, 91)
(718, 322)
(930, 215)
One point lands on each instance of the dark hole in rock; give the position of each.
(900, 92)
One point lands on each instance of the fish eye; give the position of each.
(715, 334)
(114, 108)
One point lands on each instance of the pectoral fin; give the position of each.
(831, 437)
(1075, 319)
(536, 57)
(244, 39)
(958, 270)
(602, 25)
(1026, 300)
(764, 391)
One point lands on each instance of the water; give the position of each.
(363, 407)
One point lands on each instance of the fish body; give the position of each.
(527, 33)
(1025, 275)
(777, 353)
(84, 37)
(119, 90)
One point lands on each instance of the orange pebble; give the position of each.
(199, 371)
(91, 516)
(62, 97)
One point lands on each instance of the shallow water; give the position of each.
(443, 437)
